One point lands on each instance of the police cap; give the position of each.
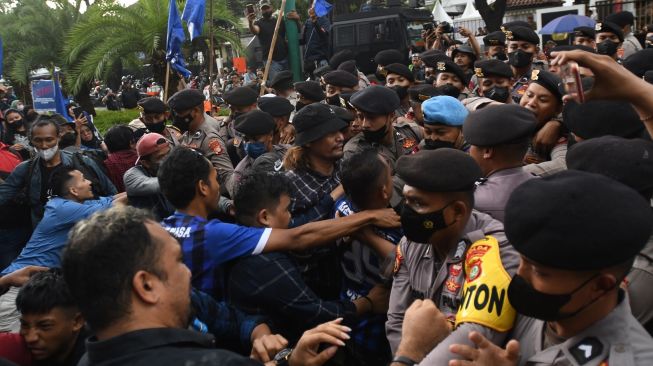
(340, 57)
(310, 90)
(431, 57)
(497, 38)
(450, 66)
(516, 23)
(275, 106)
(340, 78)
(609, 27)
(622, 18)
(186, 99)
(282, 80)
(349, 66)
(596, 118)
(241, 96)
(254, 123)
(568, 220)
(492, 67)
(526, 34)
(151, 105)
(376, 100)
(314, 122)
(421, 92)
(444, 110)
(497, 125)
(585, 32)
(640, 62)
(343, 114)
(440, 170)
(387, 57)
(401, 70)
(549, 81)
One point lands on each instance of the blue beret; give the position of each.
(444, 110)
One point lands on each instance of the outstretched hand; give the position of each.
(485, 353)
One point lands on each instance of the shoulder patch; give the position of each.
(215, 146)
(398, 259)
(586, 350)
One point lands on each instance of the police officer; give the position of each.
(499, 137)
(257, 128)
(574, 256)
(450, 79)
(452, 254)
(585, 36)
(609, 38)
(338, 82)
(153, 117)
(282, 84)
(308, 92)
(240, 100)
(418, 94)
(522, 48)
(598, 118)
(375, 108)
(443, 122)
(399, 78)
(493, 80)
(495, 46)
(626, 20)
(200, 131)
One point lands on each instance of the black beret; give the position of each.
(526, 34)
(241, 96)
(340, 78)
(648, 76)
(431, 57)
(340, 57)
(282, 80)
(492, 67)
(151, 105)
(499, 125)
(387, 57)
(314, 122)
(421, 92)
(400, 69)
(627, 161)
(310, 90)
(585, 32)
(497, 38)
(440, 170)
(516, 23)
(550, 81)
(376, 100)
(609, 27)
(343, 114)
(350, 67)
(464, 49)
(254, 123)
(597, 118)
(576, 220)
(449, 66)
(640, 62)
(275, 106)
(186, 99)
(622, 18)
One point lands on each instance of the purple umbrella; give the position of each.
(567, 23)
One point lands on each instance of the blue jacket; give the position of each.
(316, 39)
(15, 183)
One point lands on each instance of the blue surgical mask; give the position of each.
(255, 149)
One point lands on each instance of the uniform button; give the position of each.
(619, 349)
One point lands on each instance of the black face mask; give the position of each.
(430, 80)
(520, 58)
(438, 144)
(376, 136)
(606, 47)
(67, 139)
(401, 91)
(539, 305)
(334, 100)
(15, 125)
(498, 93)
(299, 105)
(182, 123)
(267, 15)
(450, 90)
(420, 227)
(157, 127)
(500, 56)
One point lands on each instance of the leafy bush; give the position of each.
(106, 118)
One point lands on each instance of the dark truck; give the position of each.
(366, 33)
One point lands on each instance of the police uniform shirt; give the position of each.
(520, 84)
(269, 162)
(492, 193)
(617, 339)
(419, 274)
(640, 282)
(207, 140)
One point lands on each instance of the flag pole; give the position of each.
(165, 90)
(272, 46)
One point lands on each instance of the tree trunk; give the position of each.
(491, 14)
(84, 100)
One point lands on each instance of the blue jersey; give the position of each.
(207, 245)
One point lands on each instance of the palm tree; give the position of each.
(112, 35)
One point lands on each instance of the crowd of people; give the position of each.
(468, 205)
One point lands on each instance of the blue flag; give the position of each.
(59, 100)
(322, 7)
(174, 41)
(194, 16)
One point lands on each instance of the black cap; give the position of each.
(440, 170)
(343, 114)
(241, 96)
(576, 220)
(151, 105)
(254, 123)
(627, 161)
(497, 38)
(387, 57)
(622, 18)
(609, 27)
(464, 49)
(422, 92)
(310, 90)
(340, 57)
(585, 32)
(516, 23)
(350, 67)
(186, 99)
(340, 78)
(431, 57)
(499, 125)
(282, 80)
(376, 100)
(525, 34)
(597, 118)
(492, 67)
(450, 66)
(275, 106)
(314, 122)
(400, 69)
(550, 81)
(640, 62)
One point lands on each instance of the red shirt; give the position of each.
(117, 164)
(14, 349)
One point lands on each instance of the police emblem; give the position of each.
(214, 145)
(428, 224)
(479, 72)
(441, 66)
(535, 74)
(598, 26)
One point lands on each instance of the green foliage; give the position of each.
(106, 118)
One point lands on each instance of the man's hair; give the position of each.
(361, 175)
(44, 292)
(60, 180)
(103, 254)
(119, 138)
(45, 120)
(179, 173)
(257, 191)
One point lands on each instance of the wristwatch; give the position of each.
(282, 358)
(403, 360)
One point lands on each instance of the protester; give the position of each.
(315, 38)
(120, 142)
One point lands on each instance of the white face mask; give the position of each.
(48, 154)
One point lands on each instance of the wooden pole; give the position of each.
(165, 90)
(272, 46)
